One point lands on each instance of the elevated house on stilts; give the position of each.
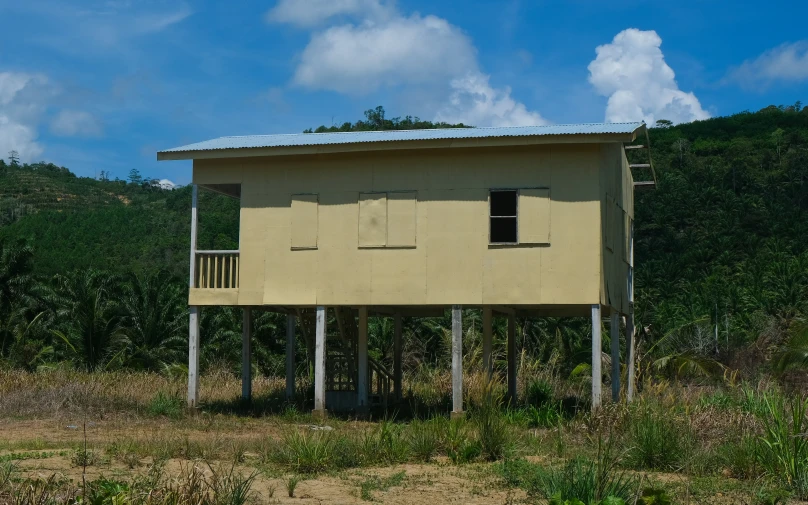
(516, 221)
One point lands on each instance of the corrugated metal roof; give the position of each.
(316, 139)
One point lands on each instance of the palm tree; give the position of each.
(88, 308)
(154, 320)
(16, 288)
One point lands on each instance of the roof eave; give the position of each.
(249, 152)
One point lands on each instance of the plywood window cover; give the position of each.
(386, 195)
(608, 223)
(515, 217)
(317, 223)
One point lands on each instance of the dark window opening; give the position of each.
(503, 217)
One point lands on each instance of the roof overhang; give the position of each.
(193, 153)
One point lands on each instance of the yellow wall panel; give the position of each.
(304, 221)
(534, 216)
(401, 219)
(372, 219)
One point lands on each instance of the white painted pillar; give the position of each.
(398, 373)
(362, 361)
(291, 348)
(319, 363)
(614, 335)
(630, 333)
(193, 357)
(596, 357)
(512, 359)
(487, 338)
(246, 354)
(194, 204)
(457, 361)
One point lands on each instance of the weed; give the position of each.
(375, 483)
(538, 393)
(291, 484)
(423, 439)
(740, 457)
(548, 415)
(655, 438)
(784, 448)
(83, 457)
(459, 446)
(655, 496)
(166, 405)
(305, 452)
(492, 430)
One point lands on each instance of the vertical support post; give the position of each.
(194, 203)
(362, 361)
(614, 335)
(512, 359)
(246, 355)
(193, 357)
(319, 364)
(291, 348)
(596, 357)
(487, 337)
(457, 361)
(630, 340)
(398, 373)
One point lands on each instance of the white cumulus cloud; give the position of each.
(75, 123)
(785, 63)
(378, 47)
(166, 184)
(473, 101)
(20, 107)
(632, 72)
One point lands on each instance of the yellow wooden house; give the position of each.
(516, 221)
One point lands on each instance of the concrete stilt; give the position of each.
(398, 372)
(630, 355)
(512, 359)
(596, 357)
(488, 366)
(193, 357)
(614, 335)
(457, 361)
(362, 362)
(291, 348)
(246, 355)
(319, 364)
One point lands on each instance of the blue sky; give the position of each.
(102, 85)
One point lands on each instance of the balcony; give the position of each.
(216, 270)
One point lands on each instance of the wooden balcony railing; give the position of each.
(217, 270)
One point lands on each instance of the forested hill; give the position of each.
(723, 238)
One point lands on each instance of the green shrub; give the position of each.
(538, 393)
(655, 496)
(546, 416)
(166, 405)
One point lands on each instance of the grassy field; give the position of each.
(126, 438)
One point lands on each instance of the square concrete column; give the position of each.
(362, 362)
(512, 359)
(614, 335)
(487, 338)
(596, 357)
(246, 355)
(319, 364)
(457, 361)
(398, 372)
(291, 349)
(193, 357)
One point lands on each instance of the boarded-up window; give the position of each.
(608, 224)
(401, 219)
(304, 222)
(372, 219)
(629, 223)
(534, 216)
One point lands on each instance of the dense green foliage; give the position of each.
(93, 270)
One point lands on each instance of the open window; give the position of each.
(503, 206)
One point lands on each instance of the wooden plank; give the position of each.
(290, 356)
(644, 185)
(372, 219)
(534, 216)
(640, 165)
(640, 146)
(207, 273)
(193, 357)
(614, 335)
(238, 272)
(596, 357)
(304, 223)
(246, 355)
(457, 361)
(319, 363)
(194, 204)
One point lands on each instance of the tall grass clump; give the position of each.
(656, 438)
(424, 439)
(490, 423)
(784, 446)
(170, 406)
(304, 452)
